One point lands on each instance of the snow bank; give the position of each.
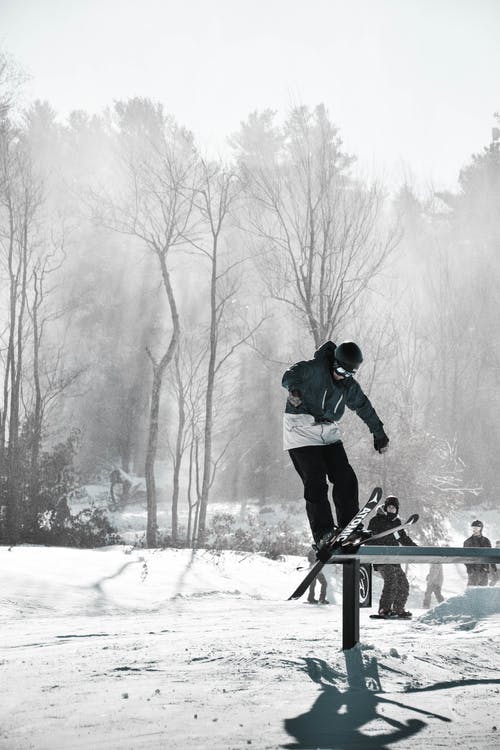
(119, 579)
(475, 604)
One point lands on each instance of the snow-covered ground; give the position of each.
(126, 648)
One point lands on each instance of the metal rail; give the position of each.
(381, 555)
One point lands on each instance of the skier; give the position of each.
(477, 573)
(396, 587)
(319, 389)
(311, 558)
(434, 584)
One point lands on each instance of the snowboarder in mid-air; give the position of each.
(319, 390)
(396, 587)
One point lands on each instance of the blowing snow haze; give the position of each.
(411, 85)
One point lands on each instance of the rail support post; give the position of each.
(350, 604)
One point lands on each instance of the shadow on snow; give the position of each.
(335, 720)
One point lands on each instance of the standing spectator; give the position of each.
(434, 584)
(320, 578)
(396, 587)
(477, 573)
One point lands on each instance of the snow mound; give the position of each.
(466, 609)
(118, 579)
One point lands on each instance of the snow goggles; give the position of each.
(340, 370)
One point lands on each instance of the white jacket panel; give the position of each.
(301, 429)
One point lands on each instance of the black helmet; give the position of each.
(348, 355)
(391, 500)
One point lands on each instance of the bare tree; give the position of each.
(34, 373)
(156, 207)
(215, 200)
(453, 317)
(189, 388)
(51, 375)
(21, 196)
(11, 80)
(317, 229)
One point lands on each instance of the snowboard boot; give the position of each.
(321, 546)
(401, 614)
(326, 537)
(384, 612)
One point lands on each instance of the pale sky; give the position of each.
(412, 84)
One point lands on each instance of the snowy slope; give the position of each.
(124, 648)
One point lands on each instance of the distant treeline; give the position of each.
(152, 296)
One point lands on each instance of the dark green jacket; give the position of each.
(382, 521)
(325, 398)
(478, 540)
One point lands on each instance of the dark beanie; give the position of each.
(391, 500)
(477, 523)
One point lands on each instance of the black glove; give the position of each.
(294, 398)
(381, 442)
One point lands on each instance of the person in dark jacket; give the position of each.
(396, 587)
(477, 573)
(319, 390)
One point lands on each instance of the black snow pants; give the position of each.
(477, 575)
(315, 464)
(396, 587)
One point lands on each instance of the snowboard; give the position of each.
(391, 617)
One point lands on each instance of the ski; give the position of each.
(371, 504)
(358, 542)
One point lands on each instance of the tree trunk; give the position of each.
(36, 432)
(207, 454)
(152, 523)
(178, 457)
(189, 488)
(158, 372)
(16, 345)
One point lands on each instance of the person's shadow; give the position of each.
(336, 718)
